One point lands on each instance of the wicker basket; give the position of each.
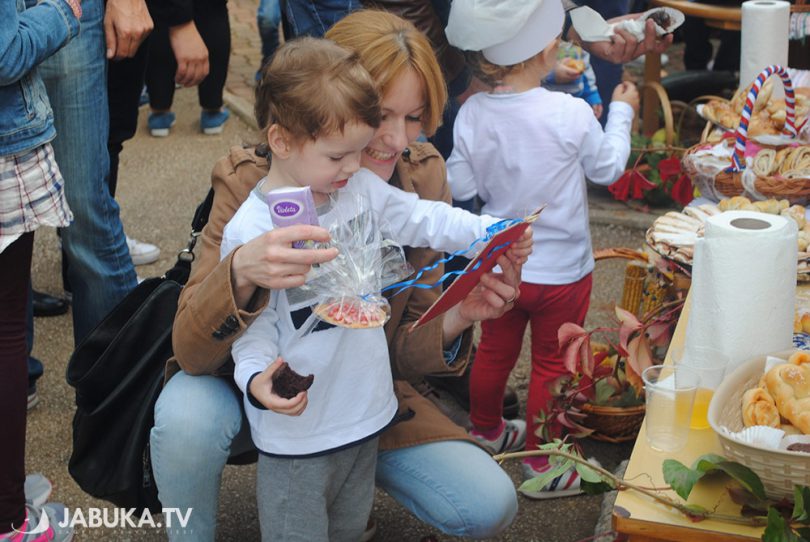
(613, 424)
(779, 470)
(732, 181)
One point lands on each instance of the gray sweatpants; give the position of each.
(320, 499)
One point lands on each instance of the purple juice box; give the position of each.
(292, 205)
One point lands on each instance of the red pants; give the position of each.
(546, 308)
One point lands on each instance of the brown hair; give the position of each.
(314, 87)
(387, 45)
(490, 73)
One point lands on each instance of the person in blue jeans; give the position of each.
(31, 196)
(100, 268)
(314, 17)
(268, 17)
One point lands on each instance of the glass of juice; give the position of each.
(670, 392)
(711, 364)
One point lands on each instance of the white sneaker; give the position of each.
(142, 253)
(566, 484)
(511, 438)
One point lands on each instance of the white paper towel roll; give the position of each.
(743, 285)
(764, 40)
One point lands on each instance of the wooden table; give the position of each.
(644, 520)
(726, 18)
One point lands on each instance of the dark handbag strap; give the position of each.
(182, 267)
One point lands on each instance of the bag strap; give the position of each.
(182, 267)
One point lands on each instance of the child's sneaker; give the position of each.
(160, 123)
(37, 489)
(565, 485)
(211, 122)
(509, 437)
(41, 525)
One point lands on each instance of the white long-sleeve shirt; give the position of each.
(517, 151)
(352, 395)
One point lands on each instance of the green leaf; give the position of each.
(680, 477)
(603, 391)
(801, 502)
(588, 474)
(696, 512)
(778, 530)
(742, 474)
(590, 488)
(539, 482)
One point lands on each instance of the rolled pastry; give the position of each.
(769, 206)
(796, 212)
(764, 162)
(800, 357)
(733, 203)
(789, 385)
(759, 408)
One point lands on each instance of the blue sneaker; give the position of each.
(211, 122)
(160, 123)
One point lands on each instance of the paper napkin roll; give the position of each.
(764, 39)
(743, 286)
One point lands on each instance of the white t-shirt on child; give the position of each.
(352, 395)
(517, 151)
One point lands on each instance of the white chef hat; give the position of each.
(505, 31)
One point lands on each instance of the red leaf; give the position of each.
(682, 190)
(621, 188)
(669, 167)
(639, 357)
(629, 325)
(658, 333)
(575, 345)
(640, 184)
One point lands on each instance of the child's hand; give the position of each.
(628, 93)
(261, 388)
(565, 73)
(519, 252)
(598, 109)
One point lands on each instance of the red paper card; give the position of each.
(464, 284)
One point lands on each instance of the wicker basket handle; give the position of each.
(619, 252)
(741, 136)
(666, 107)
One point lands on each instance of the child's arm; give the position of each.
(28, 38)
(604, 155)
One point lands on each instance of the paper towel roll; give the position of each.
(743, 286)
(764, 40)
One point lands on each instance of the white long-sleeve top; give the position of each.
(518, 151)
(352, 396)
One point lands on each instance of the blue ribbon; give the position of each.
(491, 232)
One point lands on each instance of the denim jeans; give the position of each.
(268, 18)
(314, 18)
(100, 269)
(451, 485)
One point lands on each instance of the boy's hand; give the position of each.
(598, 109)
(261, 388)
(519, 252)
(564, 73)
(628, 93)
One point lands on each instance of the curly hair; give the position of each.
(489, 73)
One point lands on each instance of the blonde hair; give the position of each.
(314, 87)
(490, 73)
(387, 46)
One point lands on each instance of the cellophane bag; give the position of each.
(346, 291)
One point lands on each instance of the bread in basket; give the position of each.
(779, 470)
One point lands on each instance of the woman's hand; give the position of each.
(491, 298)
(623, 46)
(261, 388)
(269, 261)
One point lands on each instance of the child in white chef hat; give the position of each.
(516, 147)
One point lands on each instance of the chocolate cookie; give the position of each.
(287, 383)
(661, 18)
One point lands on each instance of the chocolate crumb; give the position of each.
(287, 383)
(799, 447)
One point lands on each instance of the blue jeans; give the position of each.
(314, 18)
(453, 486)
(268, 18)
(100, 269)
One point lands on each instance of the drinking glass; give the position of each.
(670, 392)
(711, 364)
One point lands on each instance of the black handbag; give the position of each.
(117, 371)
